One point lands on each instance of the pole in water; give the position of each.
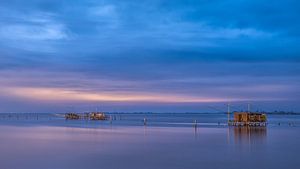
(145, 121)
(195, 123)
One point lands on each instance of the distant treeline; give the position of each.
(208, 113)
(278, 112)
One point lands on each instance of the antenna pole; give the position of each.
(248, 107)
(228, 111)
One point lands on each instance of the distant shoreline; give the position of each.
(207, 113)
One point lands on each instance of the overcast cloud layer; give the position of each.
(150, 55)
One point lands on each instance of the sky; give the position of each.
(149, 55)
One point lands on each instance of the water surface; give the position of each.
(66, 145)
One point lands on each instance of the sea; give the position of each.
(147, 141)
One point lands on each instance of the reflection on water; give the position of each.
(248, 135)
(146, 147)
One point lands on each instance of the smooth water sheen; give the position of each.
(117, 146)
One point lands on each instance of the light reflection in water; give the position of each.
(248, 135)
(196, 133)
(146, 147)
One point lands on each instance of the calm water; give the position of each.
(168, 142)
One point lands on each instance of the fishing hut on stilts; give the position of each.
(247, 118)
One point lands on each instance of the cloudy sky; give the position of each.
(149, 55)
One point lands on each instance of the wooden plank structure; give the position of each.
(72, 116)
(248, 119)
(97, 116)
(86, 116)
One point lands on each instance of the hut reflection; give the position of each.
(249, 135)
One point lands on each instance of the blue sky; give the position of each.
(151, 55)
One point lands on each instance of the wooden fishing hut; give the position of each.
(248, 119)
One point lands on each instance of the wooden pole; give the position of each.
(195, 124)
(228, 112)
(248, 107)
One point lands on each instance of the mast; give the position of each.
(228, 111)
(249, 107)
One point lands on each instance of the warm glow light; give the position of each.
(60, 94)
